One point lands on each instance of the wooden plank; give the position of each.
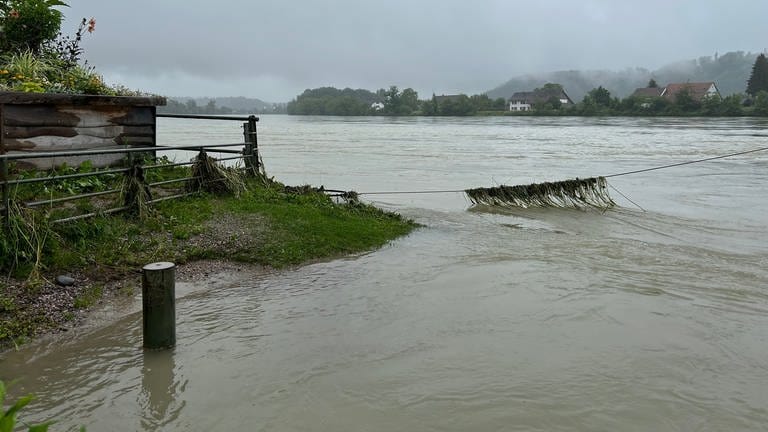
(31, 127)
(137, 116)
(38, 115)
(145, 141)
(89, 118)
(100, 116)
(48, 143)
(68, 116)
(33, 131)
(119, 134)
(143, 130)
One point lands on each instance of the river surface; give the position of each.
(484, 319)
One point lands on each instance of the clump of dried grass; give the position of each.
(209, 175)
(134, 192)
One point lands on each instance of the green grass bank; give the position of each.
(267, 224)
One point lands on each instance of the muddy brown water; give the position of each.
(485, 319)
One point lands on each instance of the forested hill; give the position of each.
(729, 71)
(220, 105)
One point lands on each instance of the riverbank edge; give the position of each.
(269, 228)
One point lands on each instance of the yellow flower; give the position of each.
(4, 72)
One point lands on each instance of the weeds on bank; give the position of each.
(295, 225)
(89, 296)
(24, 242)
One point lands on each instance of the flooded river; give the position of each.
(485, 319)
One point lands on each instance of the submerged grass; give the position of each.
(308, 226)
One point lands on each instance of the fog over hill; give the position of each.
(729, 71)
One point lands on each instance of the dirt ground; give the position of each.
(48, 308)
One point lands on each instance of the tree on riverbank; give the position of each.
(333, 101)
(399, 103)
(758, 80)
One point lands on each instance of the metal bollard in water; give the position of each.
(158, 291)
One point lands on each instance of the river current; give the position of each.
(650, 316)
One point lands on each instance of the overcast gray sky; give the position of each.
(274, 49)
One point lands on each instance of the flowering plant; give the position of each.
(36, 57)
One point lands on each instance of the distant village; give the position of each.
(687, 98)
(673, 99)
(552, 95)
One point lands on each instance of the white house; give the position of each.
(525, 101)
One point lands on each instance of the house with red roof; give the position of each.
(697, 91)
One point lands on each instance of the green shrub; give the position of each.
(36, 57)
(28, 24)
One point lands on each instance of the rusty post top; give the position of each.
(22, 98)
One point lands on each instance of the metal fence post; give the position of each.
(247, 146)
(251, 153)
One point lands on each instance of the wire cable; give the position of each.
(410, 192)
(608, 176)
(686, 162)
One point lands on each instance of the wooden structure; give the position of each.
(158, 294)
(47, 122)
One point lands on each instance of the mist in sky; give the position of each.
(274, 49)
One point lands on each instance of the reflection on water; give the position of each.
(486, 318)
(160, 399)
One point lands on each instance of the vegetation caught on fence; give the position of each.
(575, 193)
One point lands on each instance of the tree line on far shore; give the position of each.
(190, 106)
(389, 102)
(597, 102)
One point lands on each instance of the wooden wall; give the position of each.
(31, 123)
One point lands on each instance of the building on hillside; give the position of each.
(526, 101)
(648, 92)
(698, 91)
